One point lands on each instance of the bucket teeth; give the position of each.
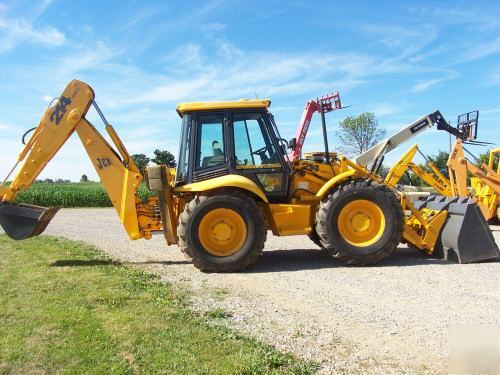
(24, 221)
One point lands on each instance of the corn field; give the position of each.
(79, 194)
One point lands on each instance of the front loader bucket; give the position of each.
(466, 236)
(21, 221)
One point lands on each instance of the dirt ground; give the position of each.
(395, 317)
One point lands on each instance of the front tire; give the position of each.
(222, 232)
(360, 222)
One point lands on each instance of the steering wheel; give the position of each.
(260, 151)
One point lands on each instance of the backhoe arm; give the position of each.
(436, 180)
(117, 171)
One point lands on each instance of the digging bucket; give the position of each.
(466, 236)
(21, 221)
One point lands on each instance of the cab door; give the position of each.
(255, 153)
(209, 157)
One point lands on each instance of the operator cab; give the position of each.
(241, 137)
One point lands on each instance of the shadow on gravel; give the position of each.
(311, 259)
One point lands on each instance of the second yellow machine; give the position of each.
(234, 182)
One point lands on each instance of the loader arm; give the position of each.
(117, 171)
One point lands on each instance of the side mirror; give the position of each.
(292, 143)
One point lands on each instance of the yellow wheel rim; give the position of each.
(222, 232)
(361, 223)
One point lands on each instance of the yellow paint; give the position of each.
(334, 182)
(230, 180)
(258, 166)
(222, 232)
(400, 167)
(120, 177)
(49, 135)
(361, 223)
(440, 183)
(289, 219)
(203, 106)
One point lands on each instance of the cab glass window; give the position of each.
(252, 144)
(210, 145)
(182, 166)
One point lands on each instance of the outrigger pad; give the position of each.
(21, 221)
(466, 236)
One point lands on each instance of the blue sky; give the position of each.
(400, 60)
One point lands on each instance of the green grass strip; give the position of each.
(67, 308)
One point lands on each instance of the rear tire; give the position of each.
(314, 237)
(209, 236)
(360, 222)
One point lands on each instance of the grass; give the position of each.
(75, 194)
(67, 308)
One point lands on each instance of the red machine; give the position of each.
(324, 104)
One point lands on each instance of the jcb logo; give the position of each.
(103, 162)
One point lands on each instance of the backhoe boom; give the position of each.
(117, 170)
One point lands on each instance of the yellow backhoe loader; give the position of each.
(234, 182)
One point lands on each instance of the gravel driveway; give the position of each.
(394, 317)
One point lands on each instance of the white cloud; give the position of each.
(495, 79)
(481, 50)
(236, 73)
(423, 85)
(385, 109)
(19, 30)
(492, 110)
(213, 27)
(4, 126)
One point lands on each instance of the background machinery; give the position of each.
(484, 184)
(235, 181)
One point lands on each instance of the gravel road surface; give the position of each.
(395, 317)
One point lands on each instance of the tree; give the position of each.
(440, 160)
(359, 133)
(84, 178)
(485, 158)
(164, 157)
(141, 161)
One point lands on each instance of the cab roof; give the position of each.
(204, 106)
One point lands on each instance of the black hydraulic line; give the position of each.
(325, 137)
(26, 133)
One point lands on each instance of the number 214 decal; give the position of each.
(60, 109)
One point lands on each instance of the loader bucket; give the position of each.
(21, 221)
(466, 236)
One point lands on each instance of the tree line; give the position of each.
(160, 157)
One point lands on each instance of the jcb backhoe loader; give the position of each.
(234, 181)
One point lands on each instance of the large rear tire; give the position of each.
(313, 236)
(222, 232)
(360, 222)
